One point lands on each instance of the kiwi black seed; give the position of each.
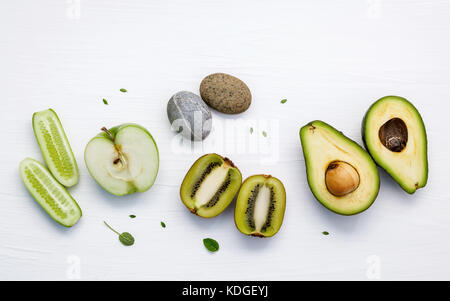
(210, 185)
(219, 192)
(207, 171)
(251, 207)
(260, 206)
(271, 211)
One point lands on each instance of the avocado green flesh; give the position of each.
(210, 195)
(260, 206)
(323, 144)
(55, 147)
(137, 168)
(409, 167)
(49, 193)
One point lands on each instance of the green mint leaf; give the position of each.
(251, 130)
(211, 245)
(163, 224)
(264, 133)
(132, 216)
(126, 239)
(283, 100)
(325, 233)
(123, 90)
(105, 101)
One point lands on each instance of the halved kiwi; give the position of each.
(210, 185)
(260, 206)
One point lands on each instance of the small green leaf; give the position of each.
(163, 224)
(251, 130)
(105, 101)
(132, 216)
(325, 233)
(123, 90)
(283, 100)
(126, 239)
(211, 245)
(264, 133)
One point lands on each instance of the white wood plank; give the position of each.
(331, 60)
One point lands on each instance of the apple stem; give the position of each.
(104, 129)
(121, 158)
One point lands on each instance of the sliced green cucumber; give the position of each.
(50, 194)
(55, 147)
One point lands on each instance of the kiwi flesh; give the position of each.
(210, 185)
(260, 206)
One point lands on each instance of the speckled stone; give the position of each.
(225, 93)
(189, 115)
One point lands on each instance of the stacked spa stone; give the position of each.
(225, 93)
(189, 114)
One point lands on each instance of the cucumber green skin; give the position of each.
(46, 156)
(365, 129)
(310, 180)
(55, 218)
(114, 131)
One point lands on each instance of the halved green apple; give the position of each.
(123, 160)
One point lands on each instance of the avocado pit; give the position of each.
(341, 178)
(394, 135)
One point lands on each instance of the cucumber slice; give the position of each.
(50, 194)
(55, 147)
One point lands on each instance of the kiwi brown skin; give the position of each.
(225, 161)
(228, 161)
(260, 235)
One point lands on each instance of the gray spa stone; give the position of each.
(189, 115)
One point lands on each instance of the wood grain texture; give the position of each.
(330, 59)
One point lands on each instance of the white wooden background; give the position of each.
(330, 59)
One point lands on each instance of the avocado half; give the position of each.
(326, 150)
(394, 134)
